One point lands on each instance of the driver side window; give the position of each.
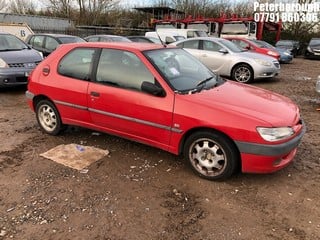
(211, 46)
(122, 69)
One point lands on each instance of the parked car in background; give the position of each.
(144, 39)
(285, 55)
(291, 45)
(166, 38)
(17, 60)
(164, 97)
(227, 59)
(106, 38)
(313, 49)
(254, 46)
(47, 42)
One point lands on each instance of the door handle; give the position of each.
(204, 55)
(95, 94)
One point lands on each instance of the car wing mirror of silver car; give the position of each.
(223, 50)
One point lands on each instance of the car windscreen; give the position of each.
(183, 72)
(234, 28)
(201, 34)
(230, 45)
(315, 42)
(11, 43)
(120, 39)
(71, 39)
(178, 38)
(284, 43)
(263, 44)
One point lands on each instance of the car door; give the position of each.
(118, 105)
(69, 90)
(212, 58)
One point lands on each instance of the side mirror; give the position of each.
(152, 89)
(223, 50)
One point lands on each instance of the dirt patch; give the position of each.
(139, 192)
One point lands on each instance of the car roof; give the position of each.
(121, 45)
(53, 35)
(287, 40)
(105, 35)
(201, 38)
(5, 33)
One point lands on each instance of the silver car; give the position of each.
(227, 59)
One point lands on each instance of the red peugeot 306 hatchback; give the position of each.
(164, 97)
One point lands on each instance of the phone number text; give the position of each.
(286, 17)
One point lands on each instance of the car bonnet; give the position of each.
(21, 56)
(245, 100)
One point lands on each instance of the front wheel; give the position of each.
(48, 117)
(211, 155)
(242, 73)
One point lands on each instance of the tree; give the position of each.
(22, 7)
(61, 8)
(91, 11)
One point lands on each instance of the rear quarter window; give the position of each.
(77, 64)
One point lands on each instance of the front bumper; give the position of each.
(261, 158)
(286, 59)
(312, 55)
(14, 77)
(267, 72)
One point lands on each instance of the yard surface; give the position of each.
(139, 192)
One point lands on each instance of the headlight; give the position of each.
(309, 49)
(286, 53)
(275, 134)
(263, 62)
(3, 64)
(272, 53)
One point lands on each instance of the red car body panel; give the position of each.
(233, 109)
(255, 48)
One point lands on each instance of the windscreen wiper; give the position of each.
(204, 81)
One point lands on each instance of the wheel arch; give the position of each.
(38, 98)
(203, 129)
(242, 63)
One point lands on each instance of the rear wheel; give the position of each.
(211, 155)
(242, 73)
(48, 117)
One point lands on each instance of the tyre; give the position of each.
(211, 155)
(48, 117)
(242, 73)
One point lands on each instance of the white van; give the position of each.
(187, 33)
(165, 37)
(169, 35)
